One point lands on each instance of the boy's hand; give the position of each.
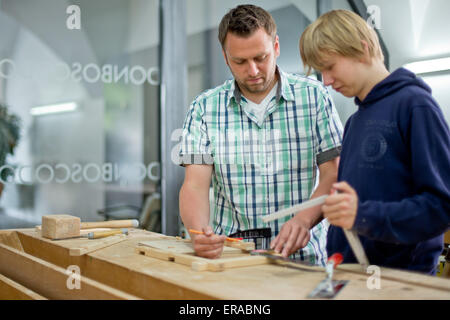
(340, 208)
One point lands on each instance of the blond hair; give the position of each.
(337, 32)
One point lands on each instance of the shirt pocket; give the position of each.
(293, 153)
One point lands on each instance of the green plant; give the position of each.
(9, 136)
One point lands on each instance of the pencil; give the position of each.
(201, 232)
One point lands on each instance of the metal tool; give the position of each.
(272, 255)
(252, 233)
(352, 236)
(299, 207)
(97, 234)
(357, 248)
(260, 236)
(329, 288)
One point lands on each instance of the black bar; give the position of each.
(359, 7)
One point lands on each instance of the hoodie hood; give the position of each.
(395, 81)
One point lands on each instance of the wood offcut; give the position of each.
(181, 252)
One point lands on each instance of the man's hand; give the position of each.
(208, 245)
(293, 236)
(340, 208)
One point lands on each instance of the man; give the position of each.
(265, 133)
(394, 169)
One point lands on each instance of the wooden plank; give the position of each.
(185, 246)
(11, 290)
(82, 246)
(412, 278)
(87, 246)
(202, 264)
(245, 246)
(120, 267)
(446, 271)
(171, 245)
(82, 231)
(447, 237)
(225, 264)
(271, 281)
(183, 253)
(11, 238)
(126, 271)
(50, 280)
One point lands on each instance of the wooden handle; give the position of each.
(103, 234)
(110, 224)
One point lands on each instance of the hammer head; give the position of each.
(60, 226)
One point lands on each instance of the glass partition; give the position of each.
(82, 76)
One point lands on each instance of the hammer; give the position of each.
(65, 226)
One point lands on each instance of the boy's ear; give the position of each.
(365, 58)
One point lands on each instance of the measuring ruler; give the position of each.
(299, 207)
(351, 235)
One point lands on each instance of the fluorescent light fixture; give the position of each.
(427, 66)
(54, 108)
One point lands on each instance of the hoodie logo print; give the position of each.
(374, 146)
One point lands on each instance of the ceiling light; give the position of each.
(54, 108)
(427, 66)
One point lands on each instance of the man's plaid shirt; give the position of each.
(262, 168)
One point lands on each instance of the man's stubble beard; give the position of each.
(256, 89)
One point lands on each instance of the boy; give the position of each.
(394, 170)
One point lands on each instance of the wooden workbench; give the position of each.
(32, 267)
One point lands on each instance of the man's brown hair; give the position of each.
(244, 20)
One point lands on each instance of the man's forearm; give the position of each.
(194, 207)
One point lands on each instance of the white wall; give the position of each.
(440, 85)
(416, 30)
(206, 14)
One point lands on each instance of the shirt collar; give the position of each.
(283, 89)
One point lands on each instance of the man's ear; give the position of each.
(225, 57)
(276, 46)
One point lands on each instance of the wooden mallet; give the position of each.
(65, 226)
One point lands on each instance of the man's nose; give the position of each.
(327, 79)
(252, 69)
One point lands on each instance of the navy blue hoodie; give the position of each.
(396, 155)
